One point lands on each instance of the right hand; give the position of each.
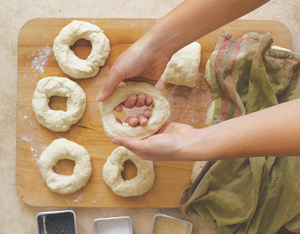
(140, 62)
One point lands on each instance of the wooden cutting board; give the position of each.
(188, 105)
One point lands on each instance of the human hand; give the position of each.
(141, 62)
(136, 101)
(168, 145)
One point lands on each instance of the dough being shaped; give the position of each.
(63, 149)
(58, 120)
(66, 58)
(183, 67)
(198, 166)
(134, 187)
(160, 111)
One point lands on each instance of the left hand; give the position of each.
(168, 145)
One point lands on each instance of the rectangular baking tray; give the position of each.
(188, 224)
(54, 226)
(102, 224)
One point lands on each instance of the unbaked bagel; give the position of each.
(66, 58)
(160, 111)
(134, 187)
(65, 149)
(58, 120)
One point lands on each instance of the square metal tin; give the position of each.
(56, 222)
(188, 224)
(109, 224)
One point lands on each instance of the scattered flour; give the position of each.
(41, 59)
(76, 200)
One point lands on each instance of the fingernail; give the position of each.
(133, 101)
(131, 121)
(100, 96)
(143, 121)
(116, 142)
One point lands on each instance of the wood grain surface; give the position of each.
(188, 105)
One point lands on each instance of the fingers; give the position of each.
(147, 113)
(119, 108)
(130, 102)
(132, 121)
(141, 119)
(141, 100)
(148, 101)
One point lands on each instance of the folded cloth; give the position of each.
(248, 195)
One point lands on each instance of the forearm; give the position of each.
(270, 132)
(195, 18)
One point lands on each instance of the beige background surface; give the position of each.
(16, 216)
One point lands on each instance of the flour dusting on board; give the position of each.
(76, 199)
(41, 59)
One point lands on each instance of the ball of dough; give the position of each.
(160, 111)
(134, 187)
(66, 58)
(64, 149)
(183, 67)
(58, 120)
(198, 166)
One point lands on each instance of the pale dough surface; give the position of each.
(183, 67)
(66, 58)
(64, 149)
(160, 111)
(134, 187)
(198, 166)
(58, 120)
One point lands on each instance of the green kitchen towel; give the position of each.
(248, 195)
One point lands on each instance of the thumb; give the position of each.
(114, 79)
(139, 147)
(129, 143)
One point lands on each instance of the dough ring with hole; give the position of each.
(160, 111)
(58, 120)
(64, 149)
(134, 187)
(66, 58)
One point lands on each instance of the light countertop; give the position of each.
(15, 215)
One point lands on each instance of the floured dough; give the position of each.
(183, 67)
(66, 58)
(159, 112)
(134, 187)
(58, 120)
(63, 149)
(198, 166)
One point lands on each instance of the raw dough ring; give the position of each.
(66, 58)
(64, 149)
(134, 187)
(160, 111)
(58, 120)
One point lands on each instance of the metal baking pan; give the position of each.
(188, 225)
(118, 225)
(56, 222)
